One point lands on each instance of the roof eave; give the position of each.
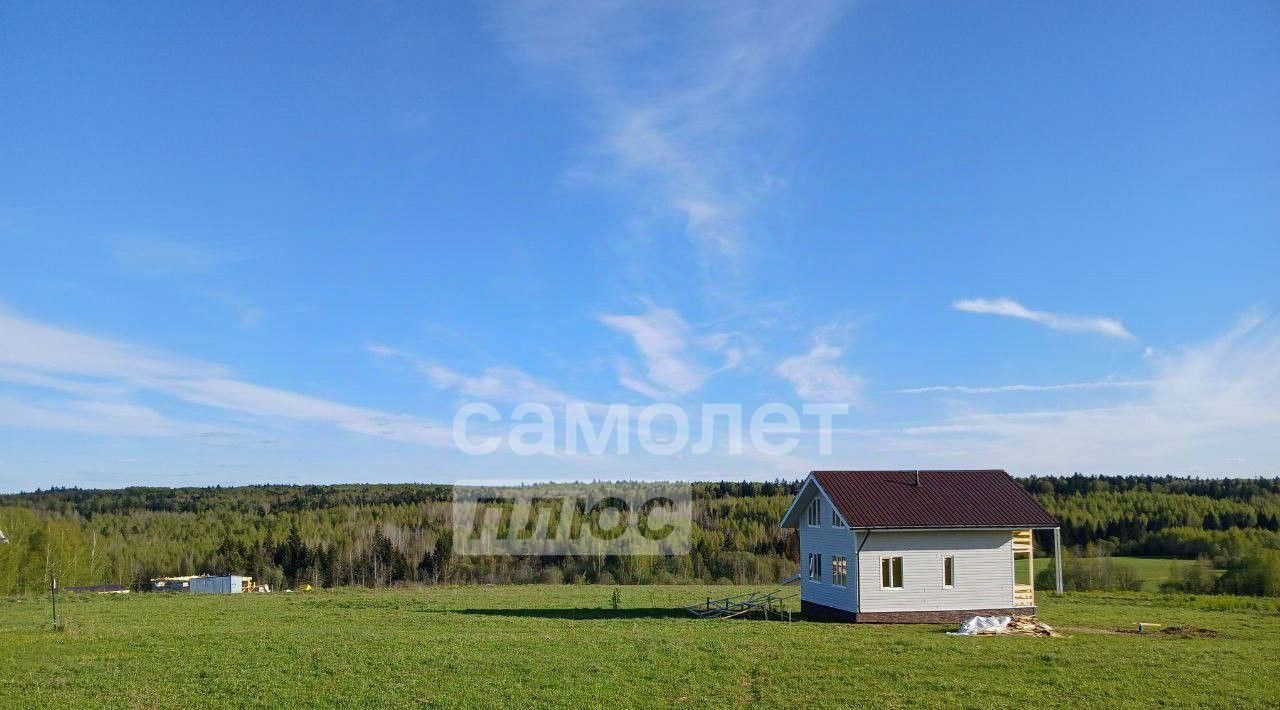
(1010, 526)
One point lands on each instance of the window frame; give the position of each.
(815, 513)
(892, 577)
(815, 567)
(837, 520)
(948, 569)
(839, 571)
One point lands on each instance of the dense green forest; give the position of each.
(376, 535)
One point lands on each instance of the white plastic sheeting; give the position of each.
(983, 625)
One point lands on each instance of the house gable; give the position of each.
(795, 515)
(831, 549)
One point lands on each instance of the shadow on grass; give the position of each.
(586, 614)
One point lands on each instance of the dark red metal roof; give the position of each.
(943, 499)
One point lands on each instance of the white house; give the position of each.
(916, 546)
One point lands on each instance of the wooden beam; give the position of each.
(1031, 567)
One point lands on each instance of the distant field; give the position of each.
(562, 645)
(1152, 570)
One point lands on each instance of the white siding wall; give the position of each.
(983, 570)
(829, 542)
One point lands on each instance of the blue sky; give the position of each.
(241, 244)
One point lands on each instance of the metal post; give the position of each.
(1057, 559)
(53, 595)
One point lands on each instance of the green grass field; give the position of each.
(1152, 570)
(562, 645)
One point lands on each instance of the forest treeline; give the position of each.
(378, 535)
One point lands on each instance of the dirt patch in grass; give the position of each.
(1178, 631)
(1189, 631)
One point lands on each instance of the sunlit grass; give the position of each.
(565, 646)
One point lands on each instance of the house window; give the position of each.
(948, 572)
(836, 520)
(815, 567)
(891, 573)
(815, 514)
(839, 570)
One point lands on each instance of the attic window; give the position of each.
(836, 520)
(815, 514)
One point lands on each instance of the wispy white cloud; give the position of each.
(53, 359)
(84, 388)
(87, 416)
(733, 346)
(507, 384)
(675, 88)
(1064, 387)
(38, 347)
(629, 379)
(1067, 323)
(817, 376)
(385, 351)
(662, 337)
(1204, 405)
(494, 384)
(248, 398)
(672, 352)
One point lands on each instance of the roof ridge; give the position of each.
(910, 470)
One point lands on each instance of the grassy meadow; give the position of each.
(1153, 571)
(565, 645)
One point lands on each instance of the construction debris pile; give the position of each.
(1004, 625)
(1030, 626)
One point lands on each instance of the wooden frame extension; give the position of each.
(1024, 594)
